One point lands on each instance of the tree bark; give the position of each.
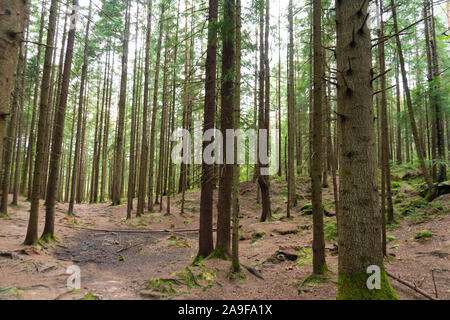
(359, 224)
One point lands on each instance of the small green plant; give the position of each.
(90, 296)
(330, 231)
(423, 235)
(121, 258)
(175, 241)
(395, 185)
(304, 257)
(390, 238)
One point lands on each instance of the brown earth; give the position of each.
(118, 257)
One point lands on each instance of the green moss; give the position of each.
(47, 238)
(219, 253)
(315, 279)
(235, 266)
(258, 235)
(390, 238)
(354, 287)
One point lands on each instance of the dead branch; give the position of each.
(411, 286)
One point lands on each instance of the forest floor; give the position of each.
(151, 257)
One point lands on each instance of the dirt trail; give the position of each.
(118, 265)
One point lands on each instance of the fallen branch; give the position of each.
(253, 272)
(411, 286)
(130, 231)
(129, 247)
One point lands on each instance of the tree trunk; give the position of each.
(77, 161)
(32, 229)
(359, 224)
(118, 152)
(226, 123)
(144, 143)
(319, 264)
(292, 198)
(420, 153)
(58, 130)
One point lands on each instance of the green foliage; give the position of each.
(178, 241)
(423, 235)
(330, 230)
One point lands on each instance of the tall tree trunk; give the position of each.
(58, 130)
(118, 152)
(172, 125)
(399, 127)
(319, 264)
(77, 155)
(236, 125)
(385, 167)
(133, 154)
(9, 138)
(12, 27)
(144, 143)
(207, 188)
(359, 224)
(420, 152)
(155, 109)
(264, 107)
(28, 167)
(22, 79)
(32, 229)
(292, 198)
(226, 123)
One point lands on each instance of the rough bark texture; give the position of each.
(319, 264)
(12, 25)
(226, 122)
(359, 224)
(207, 189)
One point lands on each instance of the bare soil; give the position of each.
(117, 258)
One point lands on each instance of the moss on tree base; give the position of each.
(220, 253)
(354, 287)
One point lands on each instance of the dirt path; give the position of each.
(118, 265)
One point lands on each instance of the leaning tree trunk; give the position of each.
(420, 152)
(359, 224)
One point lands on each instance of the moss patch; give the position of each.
(354, 287)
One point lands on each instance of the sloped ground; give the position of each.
(117, 258)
